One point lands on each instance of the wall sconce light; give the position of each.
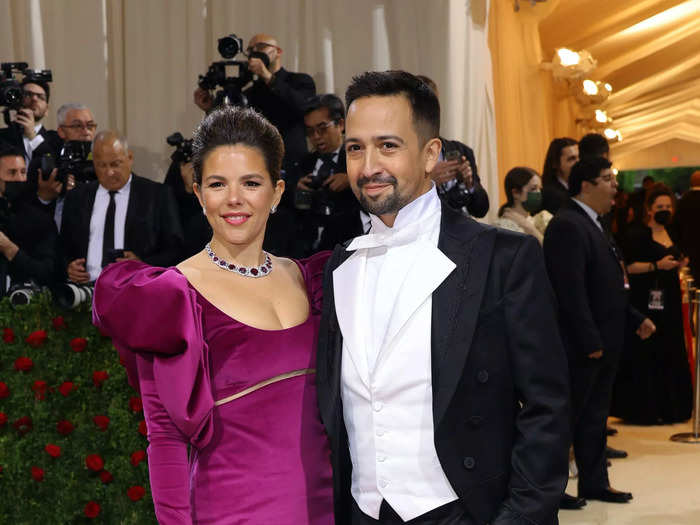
(613, 135)
(591, 92)
(570, 65)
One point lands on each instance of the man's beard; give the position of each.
(391, 204)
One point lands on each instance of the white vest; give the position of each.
(387, 391)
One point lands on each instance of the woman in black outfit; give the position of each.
(653, 383)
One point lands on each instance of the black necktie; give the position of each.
(108, 237)
(327, 168)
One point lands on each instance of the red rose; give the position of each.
(36, 339)
(64, 427)
(136, 492)
(94, 462)
(99, 377)
(39, 388)
(37, 474)
(59, 323)
(137, 457)
(102, 422)
(3, 419)
(92, 509)
(106, 477)
(78, 344)
(66, 388)
(53, 450)
(135, 404)
(8, 335)
(24, 364)
(23, 425)
(143, 430)
(4, 390)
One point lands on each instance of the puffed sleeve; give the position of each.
(312, 269)
(154, 321)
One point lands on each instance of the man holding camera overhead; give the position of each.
(117, 217)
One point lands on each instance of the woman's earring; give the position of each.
(273, 209)
(204, 211)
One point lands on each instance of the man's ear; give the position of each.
(431, 151)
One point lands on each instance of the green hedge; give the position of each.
(55, 367)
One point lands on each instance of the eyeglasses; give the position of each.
(260, 47)
(90, 126)
(29, 94)
(319, 128)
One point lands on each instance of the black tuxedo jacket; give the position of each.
(152, 230)
(13, 135)
(554, 195)
(499, 378)
(478, 206)
(585, 271)
(282, 102)
(686, 229)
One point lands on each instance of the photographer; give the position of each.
(47, 190)
(28, 238)
(328, 211)
(26, 132)
(278, 94)
(456, 174)
(120, 216)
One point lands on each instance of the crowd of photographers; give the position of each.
(70, 203)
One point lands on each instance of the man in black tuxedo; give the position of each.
(590, 280)
(328, 211)
(120, 216)
(441, 376)
(26, 132)
(562, 154)
(686, 225)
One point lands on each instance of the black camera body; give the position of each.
(11, 92)
(183, 147)
(74, 159)
(457, 196)
(231, 92)
(317, 199)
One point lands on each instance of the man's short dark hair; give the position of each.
(586, 169)
(593, 145)
(425, 107)
(8, 150)
(335, 107)
(228, 126)
(552, 161)
(44, 85)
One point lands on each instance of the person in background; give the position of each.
(523, 211)
(686, 225)
(562, 154)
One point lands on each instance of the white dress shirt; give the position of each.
(590, 212)
(97, 226)
(383, 298)
(31, 145)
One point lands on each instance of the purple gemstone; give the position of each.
(263, 269)
(222, 263)
(254, 271)
(215, 259)
(242, 270)
(231, 266)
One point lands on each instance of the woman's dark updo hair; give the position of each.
(516, 179)
(228, 126)
(659, 190)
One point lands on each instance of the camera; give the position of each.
(74, 159)
(22, 293)
(231, 92)
(457, 195)
(72, 295)
(317, 199)
(183, 147)
(11, 92)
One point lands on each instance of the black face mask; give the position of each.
(662, 217)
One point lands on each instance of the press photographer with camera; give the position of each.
(329, 213)
(117, 217)
(26, 132)
(28, 238)
(278, 94)
(51, 171)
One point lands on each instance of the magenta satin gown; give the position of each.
(260, 459)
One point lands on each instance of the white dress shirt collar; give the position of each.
(590, 212)
(414, 214)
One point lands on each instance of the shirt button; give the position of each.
(469, 463)
(377, 405)
(380, 433)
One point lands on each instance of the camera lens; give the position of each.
(229, 46)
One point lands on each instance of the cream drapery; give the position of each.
(135, 63)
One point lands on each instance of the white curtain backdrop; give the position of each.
(135, 63)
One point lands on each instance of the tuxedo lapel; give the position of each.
(86, 216)
(134, 212)
(458, 298)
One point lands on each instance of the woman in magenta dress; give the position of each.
(222, 349)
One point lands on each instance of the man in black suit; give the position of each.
(686, 225)
(26, 132)
(441, 376)
(328, 210)
(120, 216)
(562, 154)
(590, 280)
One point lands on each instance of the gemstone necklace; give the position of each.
(254, 271)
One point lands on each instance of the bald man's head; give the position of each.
(264, 43)
(112, 159)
